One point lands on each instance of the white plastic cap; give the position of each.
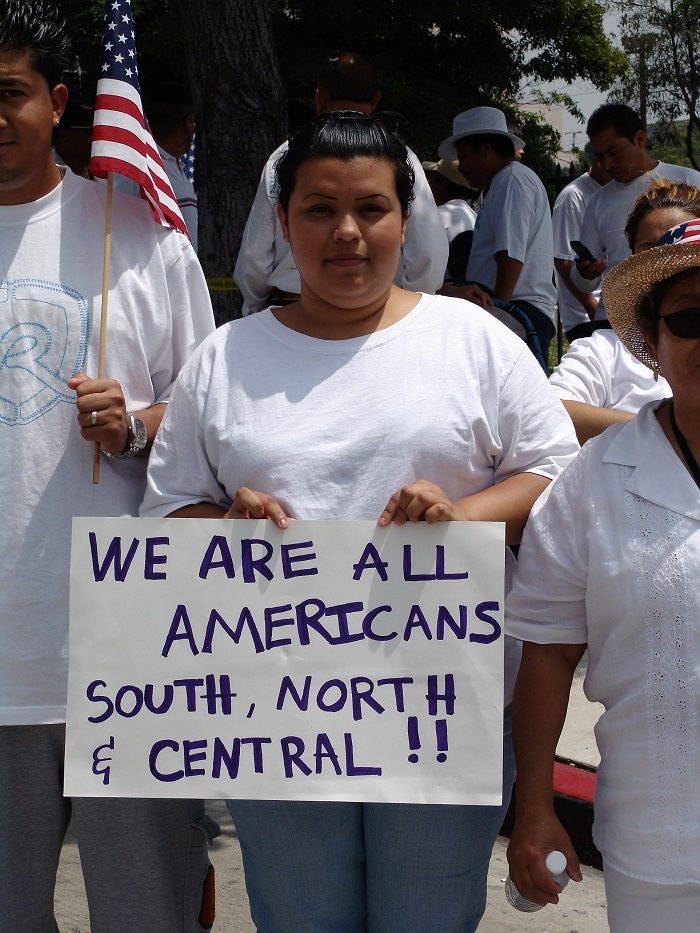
(556, 862)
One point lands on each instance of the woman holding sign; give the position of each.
(360, 401)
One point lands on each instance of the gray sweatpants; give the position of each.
(145, 862)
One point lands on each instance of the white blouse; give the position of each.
(611, 558)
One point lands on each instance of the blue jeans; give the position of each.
(369, 868)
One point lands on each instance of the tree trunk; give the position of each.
(241, 117)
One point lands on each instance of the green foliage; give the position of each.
(158, 34)
(436, 60)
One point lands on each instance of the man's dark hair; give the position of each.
(501, 145)
(345, 135)
(38, 27)
(618, 117)
(167, 104)
(348, 76)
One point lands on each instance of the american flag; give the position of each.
(121, 139)
(188, 160)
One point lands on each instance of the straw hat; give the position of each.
(630, 281)
(477, 122)
(450, 169)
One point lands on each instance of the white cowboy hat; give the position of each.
(477, 122)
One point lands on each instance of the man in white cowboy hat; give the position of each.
(512, 253)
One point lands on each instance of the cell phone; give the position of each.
(581, 251)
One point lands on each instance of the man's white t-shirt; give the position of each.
(51, 253)
(515, 218)
(603, 227)
(600, 370)
(567, 217)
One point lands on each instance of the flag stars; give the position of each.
(128, 72)
(132, 53)
(122, 38)
(125, 18)
(119, 58)
(115, 5)
(111, 25)
(109, 47)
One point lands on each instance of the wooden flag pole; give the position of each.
(103, 312)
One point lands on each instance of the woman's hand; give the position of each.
(529, 846)
(420, 501)
(248, 503)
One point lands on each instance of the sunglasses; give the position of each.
(683, 323)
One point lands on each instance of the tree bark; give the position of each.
(241, 117)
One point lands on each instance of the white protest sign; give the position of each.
(332, 661)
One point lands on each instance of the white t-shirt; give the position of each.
(265, 260)
(332, 428)
(603, 227)
(457, 217)
(515, 217)
(611, 558)
(600, 370)
(51, 254)
(567, 217)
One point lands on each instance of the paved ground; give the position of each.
(581, 910)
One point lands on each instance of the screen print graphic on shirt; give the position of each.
(44, 329)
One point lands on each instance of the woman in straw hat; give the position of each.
(615, 545)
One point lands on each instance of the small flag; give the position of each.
(121, 139)
(188, 160)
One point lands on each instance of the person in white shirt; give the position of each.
(512, 252)
(610, 561)
(455, 201)
(170, 112)
(598, 380)
(265, 270)
(144, 862)
(619, 142)
(576, 308)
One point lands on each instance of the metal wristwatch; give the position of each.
(136, 440)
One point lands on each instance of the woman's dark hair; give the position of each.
(662, 194)
(38, 27)
(650, 305)
(345, 135)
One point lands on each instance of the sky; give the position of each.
(586, 96)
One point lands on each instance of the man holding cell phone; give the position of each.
(619, 142)
(577, 306)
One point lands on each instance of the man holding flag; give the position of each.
(145, 861)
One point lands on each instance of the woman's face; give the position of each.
(345, 228)
(652, 227)
(679, 357)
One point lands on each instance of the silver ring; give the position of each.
(93, 419)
